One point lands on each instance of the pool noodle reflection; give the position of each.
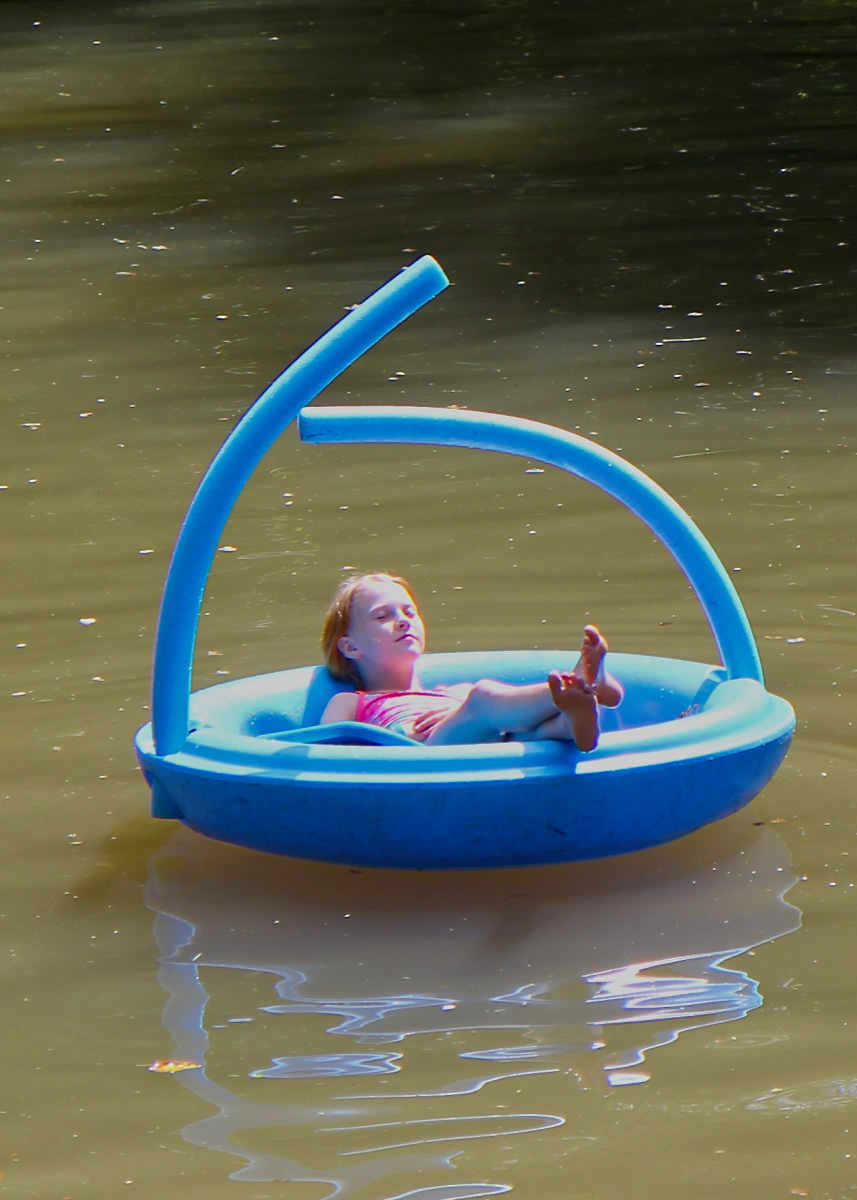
(583, 969)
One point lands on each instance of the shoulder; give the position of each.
(341, 707)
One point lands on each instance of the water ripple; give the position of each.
(322, 979)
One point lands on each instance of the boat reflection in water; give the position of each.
(354, 1026)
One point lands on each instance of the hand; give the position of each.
(423, 725)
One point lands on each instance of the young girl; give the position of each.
(374, 636)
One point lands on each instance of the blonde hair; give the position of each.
(338, 620)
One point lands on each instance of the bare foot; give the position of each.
(592, 651)
(575, 699)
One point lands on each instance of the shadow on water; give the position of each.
(416, 1001)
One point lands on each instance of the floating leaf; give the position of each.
(171, 1066)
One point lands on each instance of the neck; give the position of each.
(402, 680)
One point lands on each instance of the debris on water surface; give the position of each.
(171, 1066)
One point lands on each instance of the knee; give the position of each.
(483, 696)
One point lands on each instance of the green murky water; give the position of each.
(648, 217)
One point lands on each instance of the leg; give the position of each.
(564, 708)
(491, 709)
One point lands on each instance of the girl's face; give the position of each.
(385, 631)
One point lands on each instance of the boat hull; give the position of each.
(686, 747)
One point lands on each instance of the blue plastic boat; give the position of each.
(247, 761)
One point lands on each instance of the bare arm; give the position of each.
(341, 707)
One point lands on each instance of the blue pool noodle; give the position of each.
(233, 465)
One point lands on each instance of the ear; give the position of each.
(347, 648)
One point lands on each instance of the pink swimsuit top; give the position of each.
(398, 710)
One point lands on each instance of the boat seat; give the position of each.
(343, 733)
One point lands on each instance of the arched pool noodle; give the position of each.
(579, 456)
(232, 466)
